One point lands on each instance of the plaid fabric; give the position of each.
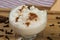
(15, 3)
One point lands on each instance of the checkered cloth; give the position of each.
(15, 3)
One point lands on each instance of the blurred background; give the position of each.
(14, 3)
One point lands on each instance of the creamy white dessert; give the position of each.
(27, 20)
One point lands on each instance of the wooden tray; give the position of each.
(51, 32)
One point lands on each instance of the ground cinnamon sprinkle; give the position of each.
(17, 19)
(32, 16)
(27, 23)
(29, 7)
(35, 19)
(22, 8)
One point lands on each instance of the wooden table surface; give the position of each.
(51, 32)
